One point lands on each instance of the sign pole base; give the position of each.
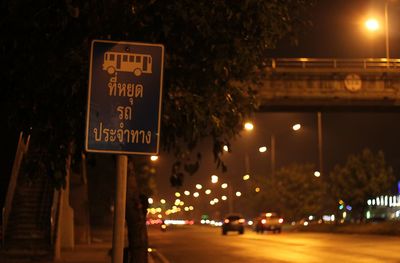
(119, 209)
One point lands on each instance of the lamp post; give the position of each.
(273, 160)
(372, 24)
(387, 33)
(320, 159)
(262, 149)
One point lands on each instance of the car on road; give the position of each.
(268, 222)
(233, 222)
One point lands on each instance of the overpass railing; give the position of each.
(330, 63)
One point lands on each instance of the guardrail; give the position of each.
(327, 63)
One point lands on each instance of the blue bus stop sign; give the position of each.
(124, 98)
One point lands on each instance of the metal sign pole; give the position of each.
(119, 209)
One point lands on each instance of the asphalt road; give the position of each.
(195, 244)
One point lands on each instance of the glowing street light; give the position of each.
(248, 126)
(257, 189)
(224, 197)
(246, 177)
(317, 174)
(296, 127)
(226, 149)
(238, 193)
(162, 201)
(207, 192)
(262, 149)
(224, 185)
(199, 186)
(150, 200)
(177, 194)
(154, 158)
(186, 192)
(372, 24)
(196, 194)
(214, 179)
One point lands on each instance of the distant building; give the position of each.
(383, 208)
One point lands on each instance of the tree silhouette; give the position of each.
(363, 176)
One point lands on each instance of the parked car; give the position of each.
(233, 222)
(268, 222)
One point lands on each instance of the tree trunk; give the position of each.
(135, 220)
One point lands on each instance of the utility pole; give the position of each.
(273, 155)
(387, 34)
(320, 159)
(230, 202)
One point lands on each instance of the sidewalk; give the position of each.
(99, 251)
(84, 253)
(96, 252)
(93, 253)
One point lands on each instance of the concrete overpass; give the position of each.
(309, 84)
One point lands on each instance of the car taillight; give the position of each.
(280, 220)
(264, 221)
(226, 221)
(241, 220)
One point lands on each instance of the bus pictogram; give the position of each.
(127, 62)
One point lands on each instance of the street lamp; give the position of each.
(320, 158)
(262, 149)
(372, 24)
(248, 126)
(214, 179)
(387, 33)
(296, 127)
(226, 148)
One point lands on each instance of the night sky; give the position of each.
(337, 32)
